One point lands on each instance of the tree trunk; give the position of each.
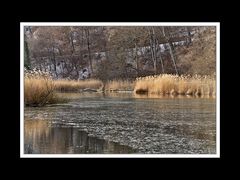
(172, 57)
(51, 51)
(137, 63)
(160, 56)
(89, 50)
(72, 44)
(189, 37)
(171, 49)
(152, 52)
(54, 62)
(26, 55)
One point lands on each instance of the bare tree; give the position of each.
(153, 48)
(88, 47)
(169, 44)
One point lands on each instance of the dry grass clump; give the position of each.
(65, 85)
(38, 88)
(119, 85)
(176, 85)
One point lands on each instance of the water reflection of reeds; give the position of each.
(128, 94)
(167, 96)
(40, 138)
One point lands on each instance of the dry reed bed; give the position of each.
(176, 85)
(74, 85)
(38, 89)
(122, 85)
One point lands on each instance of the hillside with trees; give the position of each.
(126, 52)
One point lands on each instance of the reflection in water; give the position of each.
(170, 96)
(150, 125)
(42, 139)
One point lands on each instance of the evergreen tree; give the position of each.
(26, 55)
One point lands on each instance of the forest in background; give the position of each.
(124, 52)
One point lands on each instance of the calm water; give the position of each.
(122, 123)
(40, 138)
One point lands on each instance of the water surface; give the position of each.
(122, 123)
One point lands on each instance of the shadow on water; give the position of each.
(42, 139)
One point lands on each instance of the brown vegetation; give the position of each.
(200, 57)
(38, 89)
(121, 85)
(176, 85)
(74, 85)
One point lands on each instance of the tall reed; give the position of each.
(176, 85)
(38, 88)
